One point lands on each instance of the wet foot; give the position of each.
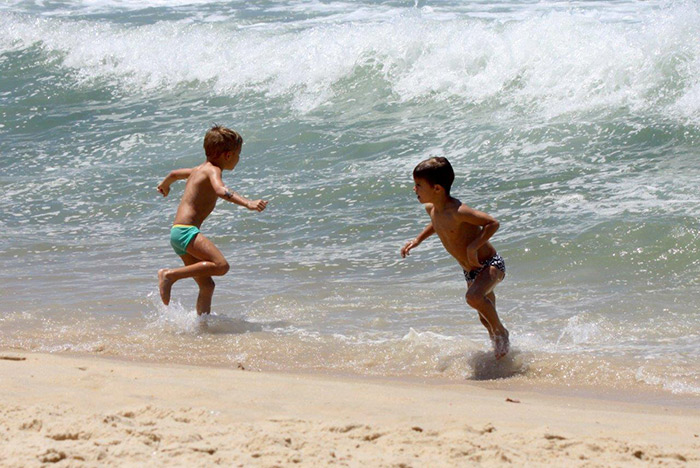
(501, 344)
(164, 286)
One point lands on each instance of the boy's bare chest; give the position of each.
(451, 229)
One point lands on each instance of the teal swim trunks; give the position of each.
(180, 237)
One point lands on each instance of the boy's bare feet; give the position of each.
(164, 285)
(501, 344)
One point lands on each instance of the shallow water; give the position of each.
(575, 124)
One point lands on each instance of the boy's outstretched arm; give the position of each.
(427, 232)
(489, 226)
(229, 195)
(177, 174)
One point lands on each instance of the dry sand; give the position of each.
(77, 411)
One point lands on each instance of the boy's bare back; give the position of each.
(199, 198)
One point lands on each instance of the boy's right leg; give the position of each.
(492, 297)
(209, 261)
(481, 297)
(206, 287)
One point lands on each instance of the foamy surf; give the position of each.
(545, 66)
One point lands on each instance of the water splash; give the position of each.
(546, 65)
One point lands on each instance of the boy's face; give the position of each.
(424, 191)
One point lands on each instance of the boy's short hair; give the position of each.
(220, 140)
(437, 171)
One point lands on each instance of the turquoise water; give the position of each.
(575, 124)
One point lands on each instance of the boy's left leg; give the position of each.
(209, 261)
(480, 296)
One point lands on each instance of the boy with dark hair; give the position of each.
(465, 234)
(202, 259)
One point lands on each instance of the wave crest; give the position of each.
(551, 64)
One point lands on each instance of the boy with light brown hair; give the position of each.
(465, 234)
(202, 259)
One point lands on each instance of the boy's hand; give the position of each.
(407, 248)
(473, 259)
(164, 189)
(257, 205)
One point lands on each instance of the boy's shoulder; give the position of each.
(461, 206)
(465, 209)
(206, 168)
(462, 210)
(456, 205)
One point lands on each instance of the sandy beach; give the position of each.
(82, 411)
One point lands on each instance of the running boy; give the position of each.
(202, 259)
(465, 234)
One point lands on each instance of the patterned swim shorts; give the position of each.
(496, 261)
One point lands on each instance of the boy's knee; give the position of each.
(222, 267)
(475, 300)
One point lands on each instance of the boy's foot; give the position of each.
(501, 344)
(164, 285)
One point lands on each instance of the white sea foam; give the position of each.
(674, 384)
(551, 64)
(578, 331)
(102, 6)
(173, 317)
(426, 337)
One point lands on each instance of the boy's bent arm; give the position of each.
(487, 231)
(177, 174)
(489, 226)
(425, 233)
(229, 195)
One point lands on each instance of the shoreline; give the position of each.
(648, 396)
(85, 411)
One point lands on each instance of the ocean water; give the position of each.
(575, 124)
